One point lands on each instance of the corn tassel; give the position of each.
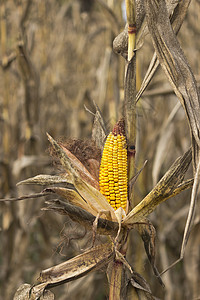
(113, 169)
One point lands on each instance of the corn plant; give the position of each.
(105, 204)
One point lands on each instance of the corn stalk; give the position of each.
(117, 281)
(88, 205)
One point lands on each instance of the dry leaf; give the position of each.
(74, 268)
(83, 217)
(176, 67)
(72, 196)
(162, 191)
(46, 180)
(148, 235)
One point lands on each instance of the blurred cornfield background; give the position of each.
(56, 60)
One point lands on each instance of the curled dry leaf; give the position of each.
(46, 180)
(148, 235)
(142, 287)
(177, 19)
(162, 191)
(72, 196)
(176, 67)
(83, 217)
(74, 268)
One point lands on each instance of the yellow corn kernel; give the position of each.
(113, 169)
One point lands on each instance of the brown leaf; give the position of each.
(176, 67)
(83, 217)
(148, 235)
(140, 286)
(176, 21)
(46, 180)
(162, 191)
(74, 268)
(72, 196)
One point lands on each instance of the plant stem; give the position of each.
(130, 92)
(115, 280)
(130, 118)
(130, 12)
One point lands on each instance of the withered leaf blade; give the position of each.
(83, 217)
(78, 266)
(153, 66)
(72, 196)
(148, 235)
(46, 180)
(162, 191)
(137, 282)
(176, 20)
(183, 186)
(176, 67)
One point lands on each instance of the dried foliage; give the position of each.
(56, 57)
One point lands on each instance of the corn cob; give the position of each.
(113, 169)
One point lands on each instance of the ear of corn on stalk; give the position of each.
(113, 169)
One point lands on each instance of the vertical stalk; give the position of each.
(115, 281)
(130, 92)
(130, 108)
(130, 12)
(116, 275)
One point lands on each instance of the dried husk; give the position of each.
(74, 268)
